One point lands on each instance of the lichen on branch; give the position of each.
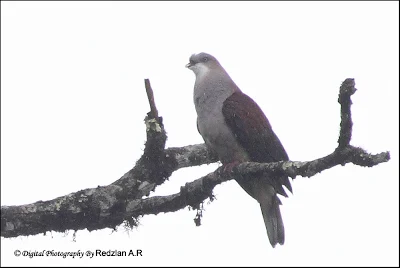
(126, 199)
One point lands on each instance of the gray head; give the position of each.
(202, 63)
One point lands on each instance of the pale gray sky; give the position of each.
(73, 104)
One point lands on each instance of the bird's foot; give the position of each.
(229, 167)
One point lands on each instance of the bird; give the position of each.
(235, 128)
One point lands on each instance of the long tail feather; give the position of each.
(273, 220)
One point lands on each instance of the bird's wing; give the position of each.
(253, 131)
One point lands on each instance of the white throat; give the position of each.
(200, 70)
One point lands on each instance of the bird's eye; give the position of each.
(205, 59)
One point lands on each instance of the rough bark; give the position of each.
(125, 200)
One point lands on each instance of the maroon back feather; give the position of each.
(253, 131)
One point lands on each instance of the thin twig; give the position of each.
(346, 90)
(150, 96)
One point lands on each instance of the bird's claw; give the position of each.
(229, 167)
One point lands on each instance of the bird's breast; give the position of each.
(209, 95)
(219, 137)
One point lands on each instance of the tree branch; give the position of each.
(124, 200)
(150, 96)
(346, 125)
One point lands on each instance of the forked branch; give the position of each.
(125, 199)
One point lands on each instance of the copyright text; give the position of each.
(78, 254)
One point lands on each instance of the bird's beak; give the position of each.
(188, 65)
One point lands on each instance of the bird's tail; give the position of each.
(273, 219)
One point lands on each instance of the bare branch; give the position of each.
(123, 200)
(191, 155)
(195, 192)
(346, 125)
(104, 206)
(150, 96)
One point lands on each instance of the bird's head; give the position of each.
(202, 63)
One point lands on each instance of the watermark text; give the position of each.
(79, 253)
